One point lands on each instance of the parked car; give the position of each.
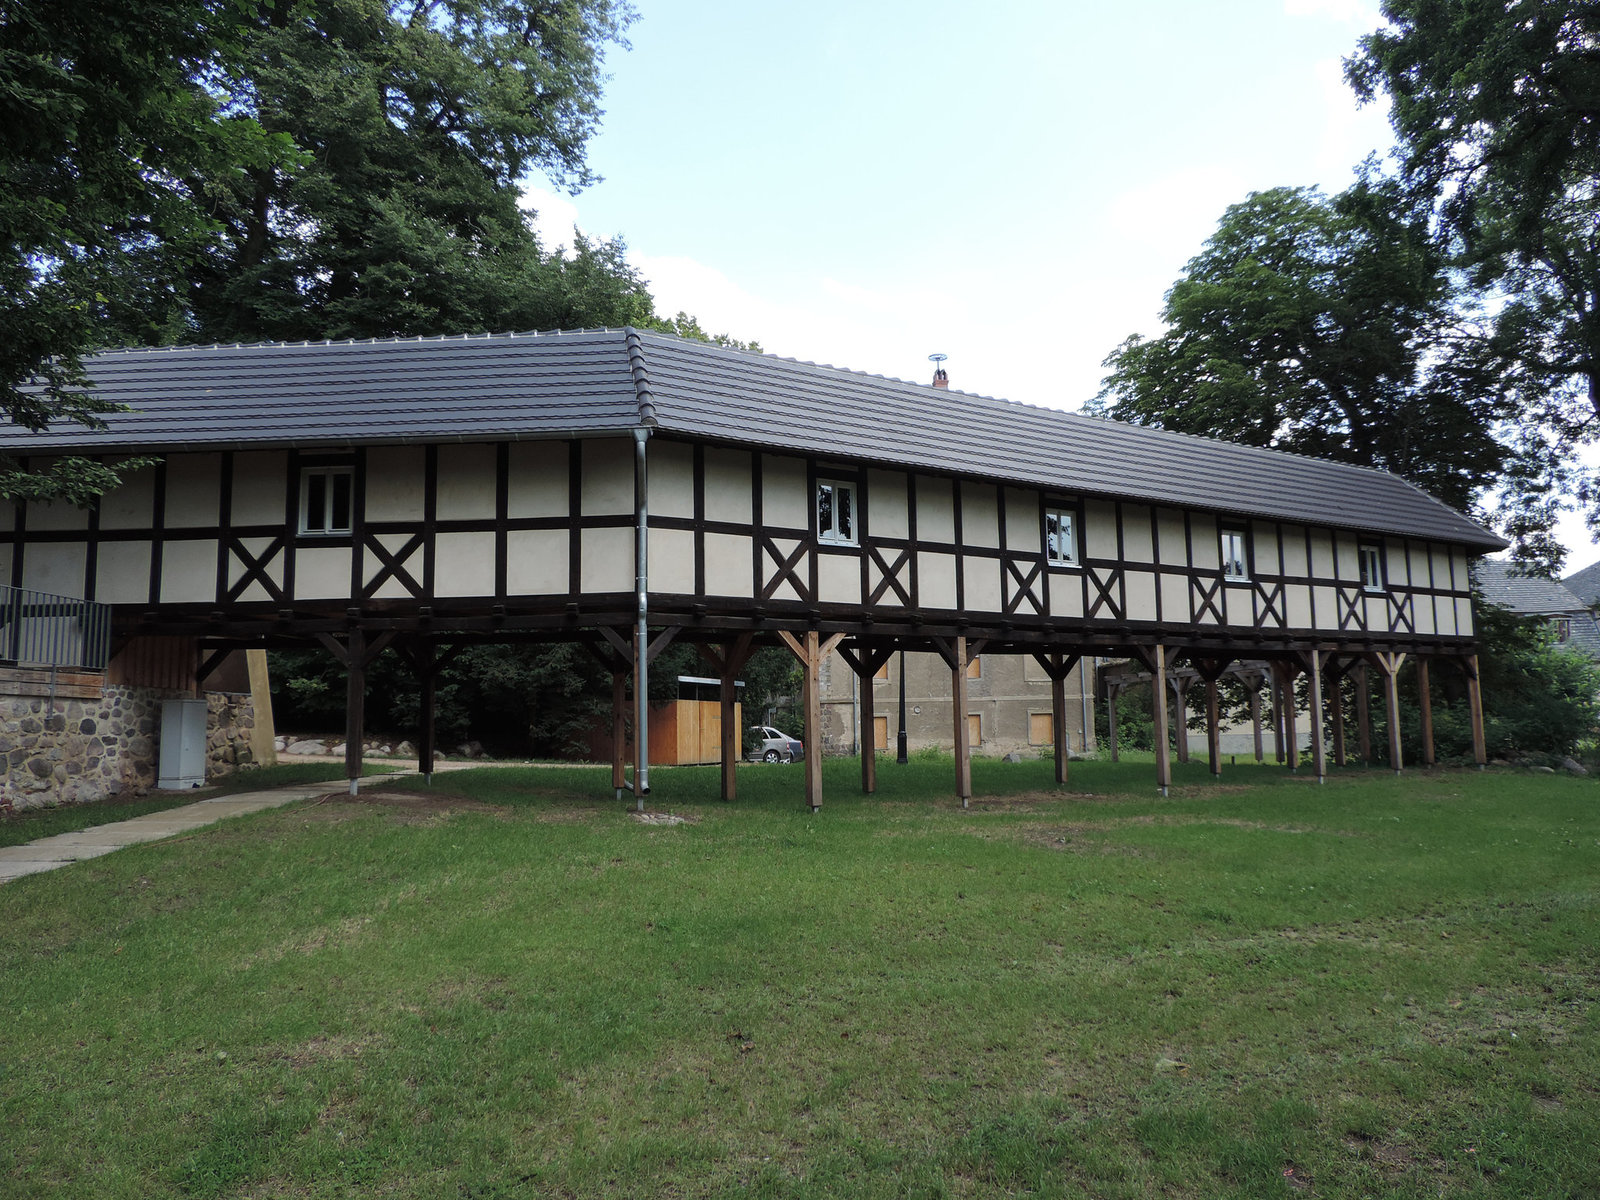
(772, 746)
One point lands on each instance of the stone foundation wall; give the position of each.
(76, 751)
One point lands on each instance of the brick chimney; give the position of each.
(940, 379)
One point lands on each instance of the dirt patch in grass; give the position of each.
(327, 1049)
(406, 808)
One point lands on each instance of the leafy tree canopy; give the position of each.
(1496, 104)
(1323, 326)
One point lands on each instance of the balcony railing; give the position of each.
(38, 629)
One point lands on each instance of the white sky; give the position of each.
(1016, 185)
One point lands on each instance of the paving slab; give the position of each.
(47, 854)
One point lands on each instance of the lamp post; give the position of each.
(900, 756)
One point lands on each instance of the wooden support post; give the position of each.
(1390, 664)
(1255, 714)
(355, 698)
(1291, 732)
(1336, 714)
(263, 743)
(810, 648)
(1363, 685)
(1480, 751)
(1425, 703)
(1158, 666)
(869, 735)
(1214, 728)
(427, 724)
(1319, 752)
(958, 704)
(1277, 713)
(727, 663)
(619, 731)
(1058, 725)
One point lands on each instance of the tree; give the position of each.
(1327, 327)
(1496, 105)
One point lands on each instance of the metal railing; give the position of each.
(38, 629)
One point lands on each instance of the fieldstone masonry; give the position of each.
(76, 751)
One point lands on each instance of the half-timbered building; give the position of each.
(627, 488)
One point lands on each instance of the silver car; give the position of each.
(772, 745)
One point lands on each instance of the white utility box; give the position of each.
(183, 744)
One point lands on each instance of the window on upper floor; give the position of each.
(1371, 568)
(1060, 537)
(1562, 627)
(325, 500)
(1235, 559)
(836, 513)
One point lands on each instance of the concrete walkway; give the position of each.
(47, 854)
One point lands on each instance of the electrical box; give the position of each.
(183, 744)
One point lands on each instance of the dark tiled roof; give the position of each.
(551, 385)
(1584, 637)
(1585, 584)
(1533, 595)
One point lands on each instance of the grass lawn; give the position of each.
(508, 986)
(31, 824)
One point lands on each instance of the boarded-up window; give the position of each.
(975, 668)
(883, 672)
(974, 730)
(880, 732)
(1041, 728)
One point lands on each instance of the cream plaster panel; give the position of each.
(1207, 542)
(1266, 555)
(537, 562)
(396, 478)
(1137, 543)
(728, 489)
(1174, 598)
(982, 580)
(785, 591)
(463, 564)
(1422, 613)
(1439, 558)
(132, 506)
(391, 589)
(59, 515)
(936, 579)
(1294, 552)
(322, 573)
(1349, 565)
(189, 572)
(607, 488)
(1297, 603)
(1099, 535)
(260, 488)
(537, 486)
(59, 568)
(1238, 604)
(784, 501)
(1023, 535)
(193, 489)
(1141, 595)
(467, 482)
(608, 563)
(1395, 563)
(1377, 613)
(1417, 562)
(980, 516)
(936, 512)
(254, 592)
(1327, 607)
(671, 479)
(1458, 570)
(1321, 564)
(1463, 607)
(1172, 539)
(671, 559)
(886, 505)
(1066, 594)
(728, 564)
(838, 579)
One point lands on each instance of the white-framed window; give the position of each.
(1235, 561)
(325, 500)
(1061, 537)
(836, 513)
(1371, 568)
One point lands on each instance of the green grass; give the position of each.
(510, 987)
(31, 824)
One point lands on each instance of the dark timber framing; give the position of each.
(631, 493)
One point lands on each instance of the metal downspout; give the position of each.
(641, 676)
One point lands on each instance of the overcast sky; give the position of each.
(1015, 185)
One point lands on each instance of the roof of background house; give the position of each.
(1501, 583)
(493, 387)
(1585, 584)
